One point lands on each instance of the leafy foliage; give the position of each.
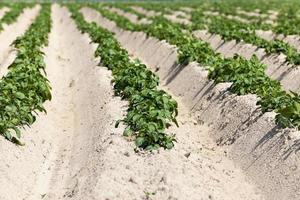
(230, 29)
(247, 76)
(24, 89)
(12, 15)
(150, 110)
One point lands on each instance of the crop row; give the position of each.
(12, 15)
(287, 21)
(232, 29)
(247, 76)
(150, 110)
(24, 88)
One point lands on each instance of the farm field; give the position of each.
(155, 100)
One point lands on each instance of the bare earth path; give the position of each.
(84, 110)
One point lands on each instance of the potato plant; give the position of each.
(150, 110)
(247, 76)
(25, 87)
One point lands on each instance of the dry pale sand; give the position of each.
(187, 9)
(247, 13)
(130, 16)
(172, 17)
(181, 14)
(267, 155)
(268, 19)
(148, 13)
(10, 33)
(234, 17)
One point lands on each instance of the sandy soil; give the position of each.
(181, 13)
(132, 17)
(250, 14)
(174, 17)
(215, 13)
(10, 33)
(269, 19)
(148, 13)
(186, 9)
(267, 155)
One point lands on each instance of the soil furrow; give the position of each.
(131, 17)
(174, 16)
(270, 19)
(179, 17)
(148, 13)
(85, 112)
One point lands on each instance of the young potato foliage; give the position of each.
(231, 29)
(150, 111)
(24, 89)
(247, 76)
(11, 16)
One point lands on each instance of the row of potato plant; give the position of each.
(287, 21)
(247, 76)
(14, 12)
(126, 8)
(233, 7)
(231, 29)
(150, 110)
(24, 88)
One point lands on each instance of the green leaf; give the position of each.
(140, 141)
(20, 95)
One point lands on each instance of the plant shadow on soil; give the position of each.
(175, 71)
(177, 68)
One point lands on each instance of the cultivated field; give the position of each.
(150, 100)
